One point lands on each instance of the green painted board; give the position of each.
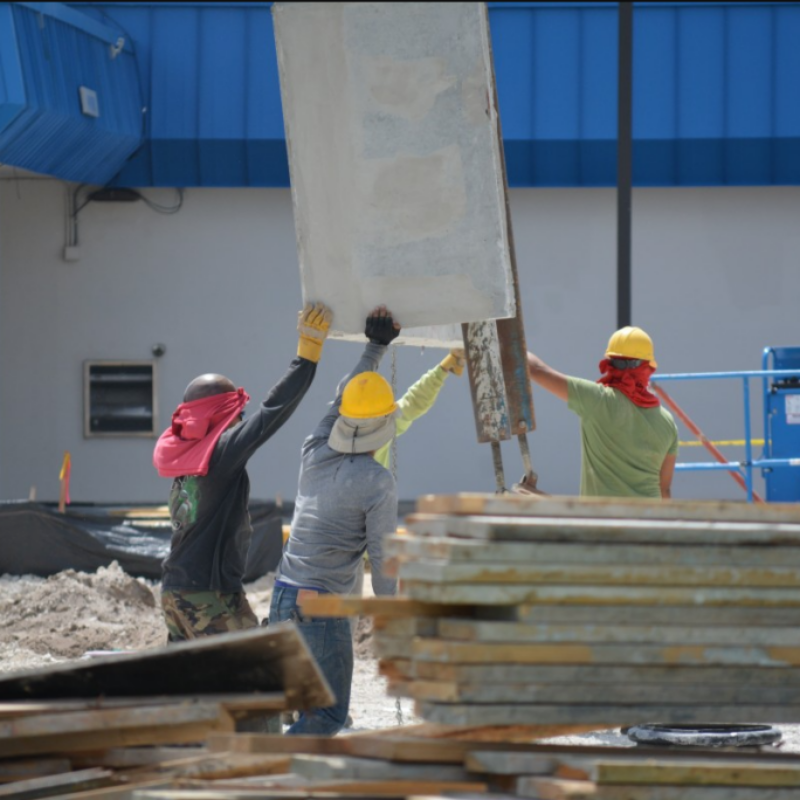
(478, 631)
(717, 616)
(510, 594)
(599, 575)
(604, 716)
(684, 655)
(608, 507)
(570, 693)
(610, 531)
(455, 551)
(604, 675)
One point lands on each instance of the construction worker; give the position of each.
(629, 442)
(346, 505)
(205, 451)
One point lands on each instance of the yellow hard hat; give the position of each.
(631, 342)
(366, 396)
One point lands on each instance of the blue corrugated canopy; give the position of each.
(70, 97)
(716, 93)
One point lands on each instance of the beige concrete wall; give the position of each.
(715, 280)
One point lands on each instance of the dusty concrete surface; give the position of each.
(56, 619)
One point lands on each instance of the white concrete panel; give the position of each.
(395, 162)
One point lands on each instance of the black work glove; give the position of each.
(381, 330)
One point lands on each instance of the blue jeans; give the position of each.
(331, 644)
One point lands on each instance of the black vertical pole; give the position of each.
(624, 163)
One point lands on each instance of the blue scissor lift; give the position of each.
(780, 459)
(782, 423)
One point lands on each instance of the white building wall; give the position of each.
(715, 280)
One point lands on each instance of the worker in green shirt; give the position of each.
(629, 442)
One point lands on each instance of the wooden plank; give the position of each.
(316, 768)
(384, 745)
(707, 693)
(49, 785)
(509, 594)
(273, 659)
(634, 508)
(25, 769)
(411, 626)
(598, 575)
(341, 790)
(612, 531)
(95, 730)
(605, 675)
(537, 787)
(697, 773)
(557, 789)
(602, 716)
(684, 655)
(214, 766)
(234, 703)
(645, 615)
(477, 631)
(461, 551)
(332, 605)
(132, 757)
(124, 792)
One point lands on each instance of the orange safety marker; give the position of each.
(63, 476)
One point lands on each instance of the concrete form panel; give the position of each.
(395, 162)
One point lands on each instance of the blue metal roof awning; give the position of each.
(716, 92)
(70, 97)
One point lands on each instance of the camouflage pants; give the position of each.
(192, 614)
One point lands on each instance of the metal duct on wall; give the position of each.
(70, 98)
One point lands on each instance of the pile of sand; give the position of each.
(65, 616)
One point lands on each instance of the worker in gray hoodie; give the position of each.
(346, 504)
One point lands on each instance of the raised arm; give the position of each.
(240, 442)
(548, 378)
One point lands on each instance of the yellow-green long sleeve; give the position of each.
(418, 400)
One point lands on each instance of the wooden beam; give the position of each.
(599, 575)
(554, 594)
(604, 676)
(475, 551)
(95, 730)
(602, 716)
(631, 508)
(267, 660)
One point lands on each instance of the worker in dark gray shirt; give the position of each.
(346, 505)
(205, 451)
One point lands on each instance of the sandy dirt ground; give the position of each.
(66, 616)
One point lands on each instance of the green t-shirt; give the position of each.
(623, 446)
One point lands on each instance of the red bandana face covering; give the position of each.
(632, 383)
(186, 447)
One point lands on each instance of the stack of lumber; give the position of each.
(562, 612)
(114, 721)
(426, 760)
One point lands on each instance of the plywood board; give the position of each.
(85, 731)
(455, 551)
(510, 594)
(685, 655)
(476, 631)
(602, 716)
(605, 675)
(608, 507)
(612, 531)
(603, 574)
(66, 783)
(273, 659)
(395, 161)
(625, 694)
